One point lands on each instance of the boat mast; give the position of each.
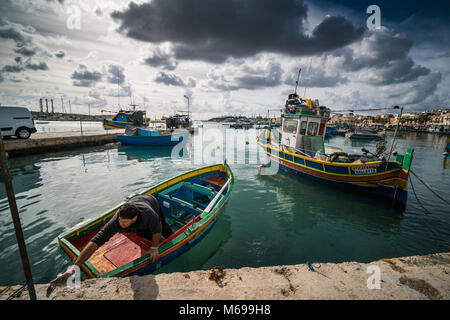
(296, 82)
(118, 94)
(132, 103)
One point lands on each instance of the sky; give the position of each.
(229, 57)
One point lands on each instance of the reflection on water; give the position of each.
(269, 219)
(144, 153)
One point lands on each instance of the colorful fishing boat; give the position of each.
(191, 203)
(300, 151)
(144, 137)
(126, 118)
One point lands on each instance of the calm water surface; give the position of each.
(269, 219)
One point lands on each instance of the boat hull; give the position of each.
(111, 124)
(379, 179)
(181, 241)
(161, 140)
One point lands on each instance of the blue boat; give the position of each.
(145, 137)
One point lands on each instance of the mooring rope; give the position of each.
(429, 188)
(417, 198)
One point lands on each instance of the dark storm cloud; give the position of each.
(380, 48)
(402, 71)
(256, 74)
(9, 32)
(385, 52)
(252, 80)
(83, 77)
(25, 51)
(36, 66)
(315, 77)
(115, 74)
(169, 79)
(216, 30)
(13, 69)
(160, 58)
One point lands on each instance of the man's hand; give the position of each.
(153, 252)
(63, 277)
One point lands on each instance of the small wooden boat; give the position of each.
(143, 137)
(190, 202)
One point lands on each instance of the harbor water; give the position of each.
(269, 220)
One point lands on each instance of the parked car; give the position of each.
(16, 121)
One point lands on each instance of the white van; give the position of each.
(16, 121)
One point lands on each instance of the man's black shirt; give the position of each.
(147, 223)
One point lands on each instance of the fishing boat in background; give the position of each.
(126, 118)
(190, 202)
(300, 150)
(147, 137)
(241, 125)
(446, 155)
(366, 134)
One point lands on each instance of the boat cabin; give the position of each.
(135, 117)
(304, 125)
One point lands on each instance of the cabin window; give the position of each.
(303, 128)
(312, 128)
(290, 126)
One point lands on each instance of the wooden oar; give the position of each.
(212, 203)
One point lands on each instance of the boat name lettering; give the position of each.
(364, 170)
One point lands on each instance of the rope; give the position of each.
(429, 188)
(353, 110)
(16, 293)
(417, 198)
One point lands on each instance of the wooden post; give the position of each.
(16, 220)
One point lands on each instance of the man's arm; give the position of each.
(96, 242)
(85, 254)
(154, 253)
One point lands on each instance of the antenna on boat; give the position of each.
(296, 82)
(118, 94)
(396, 129)
(309, 69)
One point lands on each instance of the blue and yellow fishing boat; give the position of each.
(191, 203)
(126, 118)
(300, 151)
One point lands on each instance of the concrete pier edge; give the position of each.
(406, 278)
(48, 142)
